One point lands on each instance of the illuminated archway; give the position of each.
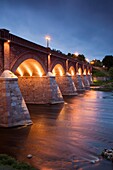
(58, 70)
(79, 71)
(85, 72)
(72, 71)
(30, 67)
(89, 72)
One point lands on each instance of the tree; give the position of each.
(81, 57)
(69, 54)
(108, 61)
(96, 63)
(111, 72)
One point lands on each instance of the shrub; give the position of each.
(8, 160)
(111, 72)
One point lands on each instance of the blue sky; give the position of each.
(83, 26)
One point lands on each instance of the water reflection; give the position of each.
(67, 136)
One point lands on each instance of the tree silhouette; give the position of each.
(108, 61)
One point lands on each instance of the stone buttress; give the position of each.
(66, 85)
(13, 110)
(78, 83)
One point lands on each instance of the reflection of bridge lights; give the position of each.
(19, 71)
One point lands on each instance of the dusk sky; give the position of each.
(83, 26)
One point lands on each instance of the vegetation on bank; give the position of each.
(10, 162)
(103, 85)
(102, 73)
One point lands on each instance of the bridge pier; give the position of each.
(89, 77)
(86, 82)
(40, 90)
(78, 83)
(66, 85)
(13, 110)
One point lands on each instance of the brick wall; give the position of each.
(40, 90)
(66, 85)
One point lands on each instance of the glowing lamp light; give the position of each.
(28, 69)
(20, 71)
(54, 73)
(76, 54)
(48, 38)
(8, 41)
(60, 71)
(72, 73)
(38, 70)
(79, 71)
(87, 59)
(92, 62)
(89, 72)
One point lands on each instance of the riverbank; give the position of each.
(10, 163)
(102, 86)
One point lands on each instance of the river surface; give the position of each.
(67, 136)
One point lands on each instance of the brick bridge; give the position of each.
(43, 75)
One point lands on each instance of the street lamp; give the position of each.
(47, 40)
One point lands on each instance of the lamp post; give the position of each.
(47, 40)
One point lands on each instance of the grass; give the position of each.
(104, 85)
(100, 83)
(13, 163)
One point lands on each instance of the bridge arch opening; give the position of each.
(79, 71)
(89, 72)
(58, 70)
(85, 72)
(30, 67)
(72, 71)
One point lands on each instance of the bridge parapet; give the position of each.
(5, 35)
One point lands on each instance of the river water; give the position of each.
(66, 136)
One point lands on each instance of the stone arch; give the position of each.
(24, 57)
(55, 62)
(85, 71)
(72, 70)
(80, 71)
(30, 67)
(88, 71)
(58, 70)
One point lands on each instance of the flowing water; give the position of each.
(65, 137)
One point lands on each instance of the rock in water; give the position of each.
(29, 156)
